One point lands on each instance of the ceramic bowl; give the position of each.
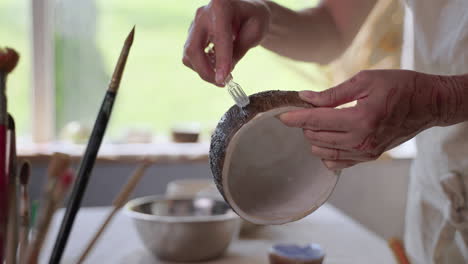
(265, 169)
(184, 229)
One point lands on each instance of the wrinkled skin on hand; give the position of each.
(392, 106)
(233, 27)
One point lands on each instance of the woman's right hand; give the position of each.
(233, 26)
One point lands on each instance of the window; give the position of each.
(15, 32)
(69, 48)
(157, 91)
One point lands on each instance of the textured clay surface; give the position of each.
(236, 117)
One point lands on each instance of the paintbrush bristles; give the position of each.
(130, 37)
(11, 123)
(25, 172)
(8, 60)
(119, 68)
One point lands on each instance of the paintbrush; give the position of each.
(87, 162)
(59, 174)
(33, 219)
(8, 60)
(24, 220)
(65, 181)
(59, 163)
(12, 226)
(118, 203)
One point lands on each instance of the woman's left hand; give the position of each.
(392, 107)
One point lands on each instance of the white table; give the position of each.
(344, 240)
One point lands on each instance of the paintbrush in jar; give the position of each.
(12, 224)
(65, 181)
(87, 162)
(24, 221)
(33, 219)
(57, 184)
(118, 203)
(8, 60)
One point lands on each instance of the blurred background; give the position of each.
(158, 91)
(69, 48)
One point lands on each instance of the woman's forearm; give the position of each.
(317, 34)
(449, 96)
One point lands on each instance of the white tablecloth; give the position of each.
(344, 240)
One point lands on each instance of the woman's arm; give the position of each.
(392, 107)
(234, 26)
(449, 101)
(317, 34)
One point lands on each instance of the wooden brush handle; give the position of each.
(3, 191)
(53, 204)
(54, 193)
(118, 203)
(97, 235)
(58, 163)
(24, 240)
(24, 224)
(130, 185)
(12, 225)
(43, 227)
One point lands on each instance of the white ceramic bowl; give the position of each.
(184, 229)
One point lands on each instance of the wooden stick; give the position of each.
(25, 173)
(118, 203)
(58, 196)
(398, 250)
(57, 168)
(33, 220)
(12, 224)
(89, 157)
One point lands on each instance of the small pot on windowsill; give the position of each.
(75, 132)
(186, 133)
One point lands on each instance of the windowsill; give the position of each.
(163, 152)
(160, 152)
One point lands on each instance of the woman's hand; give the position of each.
(233, 26)
(392, 107)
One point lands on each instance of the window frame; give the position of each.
(43, 94)
(43, 84)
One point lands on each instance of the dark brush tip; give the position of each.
(131, 36)
(8, 60)
(25, 172)
(11, 123)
